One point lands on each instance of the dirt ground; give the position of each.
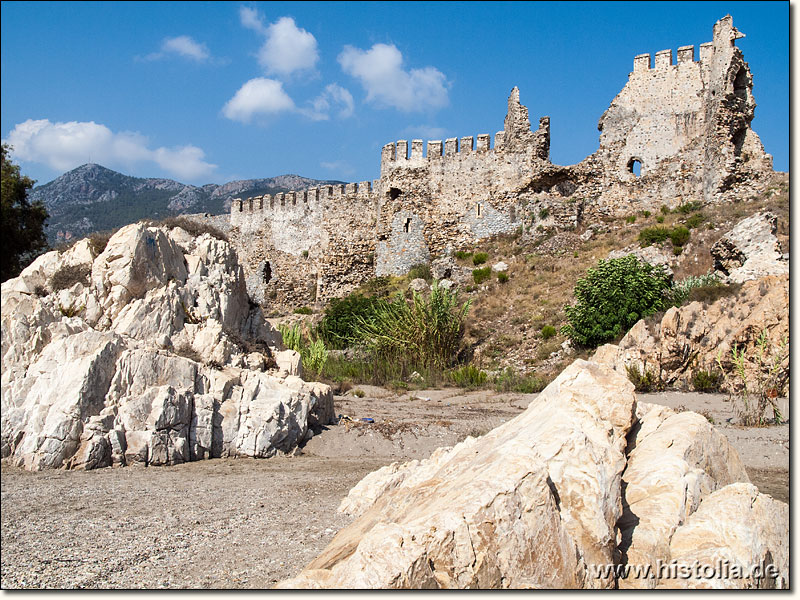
(245, 523)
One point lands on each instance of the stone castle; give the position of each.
(677, 132)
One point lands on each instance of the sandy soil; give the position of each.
(248, 523)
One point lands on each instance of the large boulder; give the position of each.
(531, 504)
(737, 539)
(750, 250)
(675, 460)
(142, 354)
(697, 336)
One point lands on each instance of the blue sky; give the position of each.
(209, 92)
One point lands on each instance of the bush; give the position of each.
(481, 275)
(467, 376)
(664, 209)
(338, 326)
(653, 235)
(463, 254)
(479, 258)
(502, 277)
(544, 213)
(303, 310)
(548, 331)
(426, 331)
(689, 207)
(509, 381)
(99, 240)
(646, 214)
(682, 290)
(695, 220)
(421, 271)
(612, 297)
(644, 381)
(679, 236)
(660, 219)
(630, 219)
(69, 275)
(706, 382)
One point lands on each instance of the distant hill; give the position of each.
(93, 198)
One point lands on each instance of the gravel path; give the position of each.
(245, 523)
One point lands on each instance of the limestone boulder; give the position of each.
(652, 255)
(530, 504)
(149, 360)
(699, 336)
(736, 531)
(418, 285)
(675, 460)
(750, 250)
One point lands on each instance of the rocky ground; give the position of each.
(247, 523)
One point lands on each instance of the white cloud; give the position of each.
(380, 72)
(183, 46)
(259, 96)
(287, 47)
(339, 166)
(429, 132)
(64, 146)
(332, 96)
(250, 19)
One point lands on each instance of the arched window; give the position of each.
(635, 166)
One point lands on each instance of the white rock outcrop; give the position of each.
(139, 355)
(530, 504)
(750, 250)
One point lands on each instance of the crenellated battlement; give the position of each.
(663, 58)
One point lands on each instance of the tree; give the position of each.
(22, 224)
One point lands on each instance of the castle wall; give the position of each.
(684, 118)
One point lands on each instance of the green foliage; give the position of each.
(660, 219)
(462, 254)
(612, 297)
(479, 258)
(359, 393)
(314, 356)
(502, 277)
(681, 290)
(643, 380)
(426, 331)
(69, 275)
(510, 381)
(695, 220)
(481, 275)
(664, 209)
(679, 236)
(22, 223)
(421, 271)
(544, 213)
(292, 336)
(70, 310)
(630, 219)
(646, 214)
(338, 326)
(303, 310)
(677, 250)
(689, 207)
(467, 376)
(305, 253)
(548, 331)
(706, 382)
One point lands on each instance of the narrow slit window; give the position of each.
(407, 225)
(479, 210)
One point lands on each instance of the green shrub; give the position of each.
(481, 275)
(630, 219)
(467, 376)
(612, 297)
(695, 220)
(502, 277)
(420, 271)
(462, 254)
(544, 213)
(69, 275)
(679, 236)
(548, 331)
(689, 207)
(677, 250)
(706, 381)
(509, 381)
(479, 258)
(426, 331)
(314, 356)
(660, 219)
(305, 253)
(646, 214)
(359, 393)
(643, 380)
(338, 326)
(681, 290)
(292, 337)
(653, 235)
(303, 310)
(664, 209)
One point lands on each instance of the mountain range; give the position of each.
(93, 198)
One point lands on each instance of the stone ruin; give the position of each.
(676, 133)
